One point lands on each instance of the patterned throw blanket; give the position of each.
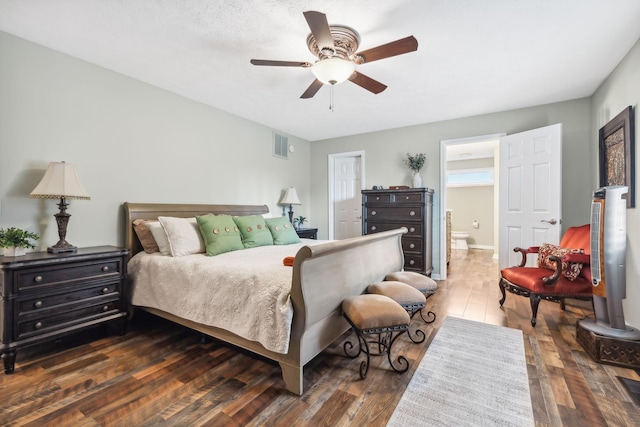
(246, 292)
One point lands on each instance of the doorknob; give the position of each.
(551, 221)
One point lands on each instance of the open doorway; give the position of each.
(469, 195)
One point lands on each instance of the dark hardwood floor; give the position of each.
(161, 374)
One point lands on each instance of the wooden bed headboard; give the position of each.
(135, 211)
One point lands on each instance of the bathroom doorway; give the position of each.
(468, 205)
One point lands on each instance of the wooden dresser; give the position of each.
(411, 208)
(44, 296)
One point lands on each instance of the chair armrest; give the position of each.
(584, 259)
(524, 252)
(577, 258)
(551, 280)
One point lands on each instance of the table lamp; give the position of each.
(290, 198)
(61, 181)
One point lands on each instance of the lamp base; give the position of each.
(62, 247)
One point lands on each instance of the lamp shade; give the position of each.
(290, 197)
(333, 70)
(60, 181)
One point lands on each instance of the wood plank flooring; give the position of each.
(161, 374)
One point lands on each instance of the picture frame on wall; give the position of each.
(617, 153)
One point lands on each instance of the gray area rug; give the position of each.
(473, 374)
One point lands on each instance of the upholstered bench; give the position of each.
(409, 298)
(383, 319)
(424, 284)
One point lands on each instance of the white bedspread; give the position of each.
(246, 292)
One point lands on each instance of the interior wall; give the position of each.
(618, 91)
(472, 204)
(130, 141)
(386, 150)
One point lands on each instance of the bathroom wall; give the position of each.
(473, 203)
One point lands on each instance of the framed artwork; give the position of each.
(617, 154)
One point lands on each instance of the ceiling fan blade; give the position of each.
(368, 83)
(320, 29)
(281, 63)
(312, 90)
(398, 47)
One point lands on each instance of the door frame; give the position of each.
(444, 143)
(331, 177)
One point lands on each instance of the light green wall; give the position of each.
(619, 90)
(385, 150)
(474, 203)
(130, 141)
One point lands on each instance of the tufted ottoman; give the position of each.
(424, 284)
(409, 298)
(383, 319)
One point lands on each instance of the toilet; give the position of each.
(459, 240)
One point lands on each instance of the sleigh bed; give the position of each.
(322, 275)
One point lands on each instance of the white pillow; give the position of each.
(160, 236)
(183, 235)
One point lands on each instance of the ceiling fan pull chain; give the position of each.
(331, 98)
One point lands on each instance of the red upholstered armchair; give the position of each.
(559, 274)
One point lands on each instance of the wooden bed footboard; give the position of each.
(323, 276)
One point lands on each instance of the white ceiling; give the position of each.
(474, 56)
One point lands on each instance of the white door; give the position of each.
(530, 177)
(347, 199)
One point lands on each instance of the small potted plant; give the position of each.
(15, 241)
(299, 221)
(416, 163)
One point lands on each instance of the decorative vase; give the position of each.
(417, 180)
(13, 251)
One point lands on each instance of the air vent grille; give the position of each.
(280, 146)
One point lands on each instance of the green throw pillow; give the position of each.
(282, 231)
(220, 234)
(253, 230)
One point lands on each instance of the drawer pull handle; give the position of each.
(407, 197)
(105, 290)
(412, 262)
(105, 268)
(412, 229)
(412, 246)
(37, 304)
(38, 325)
(37, 279)
(373, 212)
(105, 308)
(412, 213)
(377, 198)
(373, 228)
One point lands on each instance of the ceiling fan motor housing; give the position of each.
(345, 39)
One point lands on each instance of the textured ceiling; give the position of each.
(474, 56)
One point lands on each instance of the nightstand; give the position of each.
(44, 296)
(307, 233)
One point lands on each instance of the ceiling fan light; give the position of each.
(333, 70)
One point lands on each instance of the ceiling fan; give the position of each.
(336, 46)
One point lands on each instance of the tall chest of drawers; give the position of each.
(44, 296)
(411, 208)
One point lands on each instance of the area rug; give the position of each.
(473, 374)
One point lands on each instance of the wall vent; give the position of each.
(280, 146)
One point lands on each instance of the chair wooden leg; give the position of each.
(562, 304)
(535, 300)
(502, 289)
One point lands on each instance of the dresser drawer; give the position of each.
(377, 198)
(40, 303)
(377, 227)
(409, 198)
(396, 213)
(58, 319)
(411, 245)
(67, 273)
(413, 262)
